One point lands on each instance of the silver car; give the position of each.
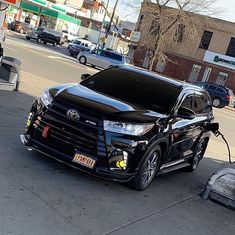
(103, 58)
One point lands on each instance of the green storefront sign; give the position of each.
(48, 12)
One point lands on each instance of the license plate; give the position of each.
(84, 160)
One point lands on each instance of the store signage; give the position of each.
(15, 3)
(220, 59)
(49, 5)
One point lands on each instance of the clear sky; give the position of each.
(227, 10)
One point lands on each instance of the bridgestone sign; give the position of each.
(219, 59)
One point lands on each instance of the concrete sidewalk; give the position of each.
(75, 203)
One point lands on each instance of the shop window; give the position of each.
(231, 48)
(222, 78)
(206, 39)
(194, 73)
(206, 74)
(160, 67)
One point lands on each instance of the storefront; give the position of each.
(43, 13)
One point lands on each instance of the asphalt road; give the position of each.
(41, 196)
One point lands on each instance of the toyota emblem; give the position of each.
(73, 114)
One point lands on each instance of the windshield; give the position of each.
(136, 88)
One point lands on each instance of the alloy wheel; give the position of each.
(216, 102)
(199, 154)
(150, 168)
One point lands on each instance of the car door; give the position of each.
(96, 58)
(182, 132)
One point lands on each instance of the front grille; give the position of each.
(69, 136)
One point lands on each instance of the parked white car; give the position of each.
(103, 58)
(69, 36)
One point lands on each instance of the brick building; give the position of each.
(210, 57)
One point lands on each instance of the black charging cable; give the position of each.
(217, 134)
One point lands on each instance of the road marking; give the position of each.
(58, 57)
(10, 48)
(220, 114)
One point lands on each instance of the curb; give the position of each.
(230, 108)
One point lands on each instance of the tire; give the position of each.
(82, 59)
(39, 40)
(28, 38)
(93, 66)
(198, 155)
(54, 44)
(216, 102)
(148, 169)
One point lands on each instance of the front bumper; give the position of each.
(53, 153)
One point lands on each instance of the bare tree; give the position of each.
(166, 22)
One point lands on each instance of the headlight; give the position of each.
(127, 128)
(46, 97)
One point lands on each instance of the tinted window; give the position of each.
(116, 57)
(212, 88)
(188, 102)
(198, 104)
(138, 88)
(206, 104)
(221, 90)
(77, 42)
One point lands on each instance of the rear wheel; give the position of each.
(148, 170)
(216, 102)
(82, 59)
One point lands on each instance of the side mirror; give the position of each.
(85, 76)
(186, 113)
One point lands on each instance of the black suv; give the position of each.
(221, 96)
(123, 124)
(50, 36)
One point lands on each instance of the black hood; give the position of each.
(110, 108)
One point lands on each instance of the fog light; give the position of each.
(123, 163)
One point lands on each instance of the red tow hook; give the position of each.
(45, 132)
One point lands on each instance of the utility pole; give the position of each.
(110, 23)
(105, 13)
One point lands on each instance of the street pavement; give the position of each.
(41, 196)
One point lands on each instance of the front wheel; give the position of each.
(82, 59)
(198, 155)
(148, 169)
